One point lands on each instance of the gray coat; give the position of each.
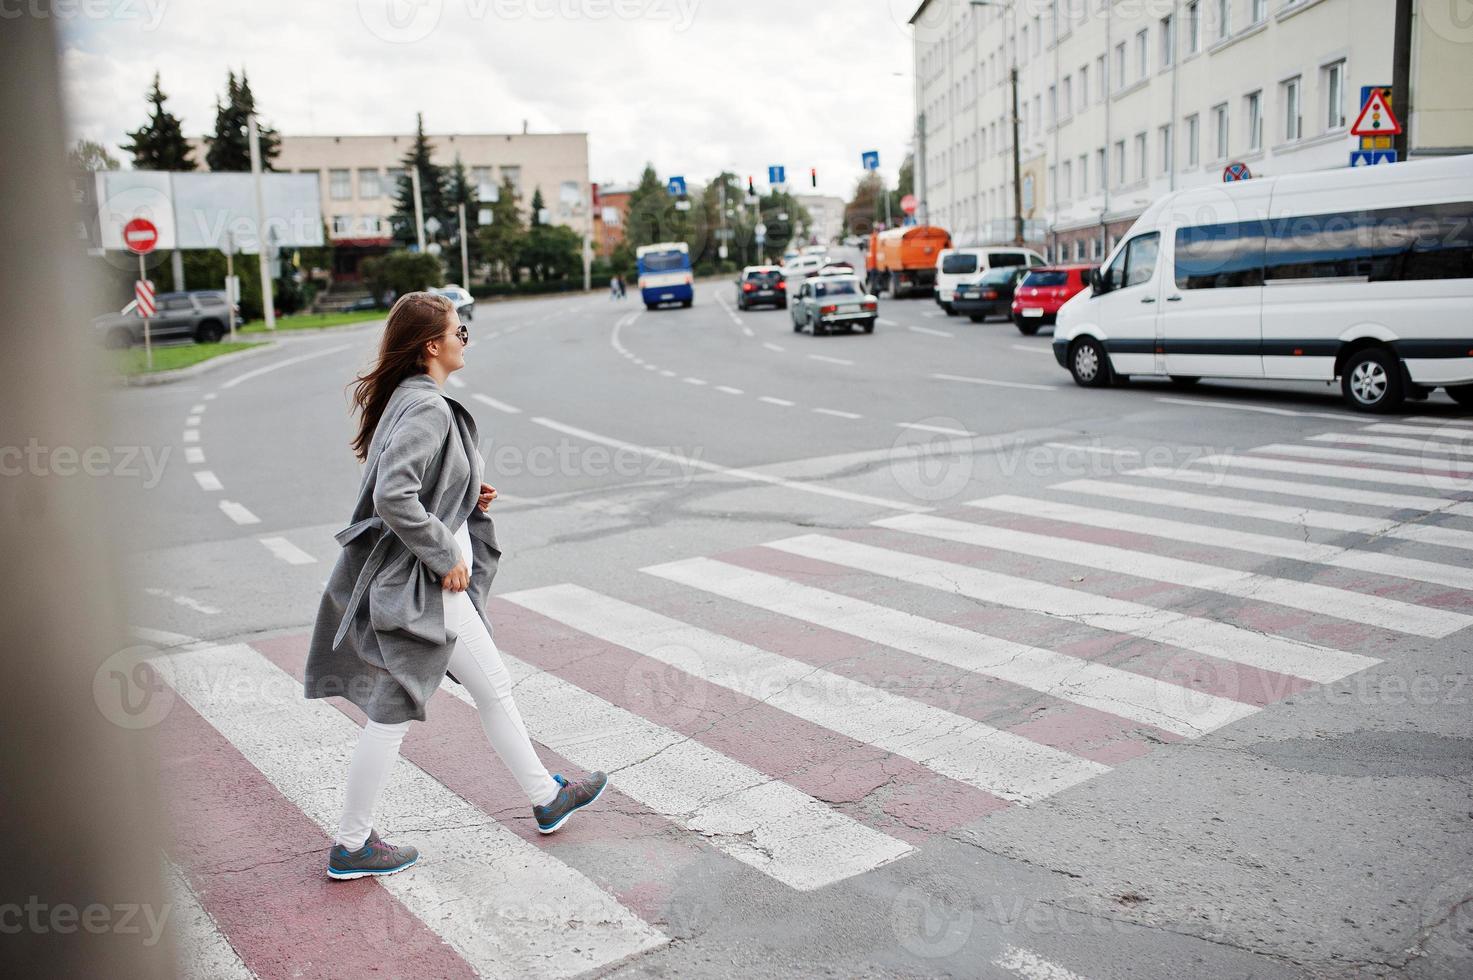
(380, 638)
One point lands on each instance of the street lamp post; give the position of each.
(1017, 150)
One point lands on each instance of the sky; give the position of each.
(693, 86)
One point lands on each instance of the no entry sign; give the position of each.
(140, 236)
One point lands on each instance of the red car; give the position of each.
(1038, 297)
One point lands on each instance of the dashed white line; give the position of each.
(887, 323)
(831, 360)
(287, 552)
(651, 367)
(993, 383)
(207, 480)
(1031, 350)
(194, 454)
(748, 331)
(191, 435)
(729, 389)
(934, 333)
(197, 408)
(839, 414)
(210, 397)
(1102, 450)
(667, 374)
(187, 602)
(498, 405)
(775, 401)
(238, 513)
(1264, 409)
(771, 346)
(1028, 964)
(693, 381)
(943, 429)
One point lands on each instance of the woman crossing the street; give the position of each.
(406, 601)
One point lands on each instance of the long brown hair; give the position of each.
(416, 319)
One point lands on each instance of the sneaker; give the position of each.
(376, 857)
(570, 797)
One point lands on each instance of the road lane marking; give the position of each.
(686, 462)
(1443, 430)
(1099, 450)
(1030, 966)
(1315, 491)
(775, 401)
(831, 360)
(667, 374)
(1411, 464)
(944, 430)
(1355, 607)
(1294, 549)
(207, 480)
(188, 602)
(194, 454)
(993, 760)
(1360, 474)
(1395, 442)
(994, 383)
(1223, 641)
(192, 421)
(202, 948)
(1031, 349)
(748, 331)
(197, 408)
(929, 330)
(693, 381)
(474, 863)
(191, 435)
(838, 414)
(281, 364)
(886, 323)
(729, 389)
(498, 405)
(210, 397)
(287, 552)
(1263, 409)
(1450, 423)
(1117, 692)
(771, 346)
(238, 512)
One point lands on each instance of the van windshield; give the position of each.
(954, 265)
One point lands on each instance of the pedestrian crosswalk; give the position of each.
(797, 714)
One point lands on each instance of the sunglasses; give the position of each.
(464, 334)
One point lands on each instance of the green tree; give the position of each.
(431, 189)
(783, 216)
(866, 209)
(159, 144)
(538, 206)
(399, 272)
(653, 216)
(460, 191)
(230, 146)
(501, 240)
(551, 252)
(90, 156)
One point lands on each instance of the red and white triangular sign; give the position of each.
(1375, 118)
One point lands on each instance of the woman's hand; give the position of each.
(488, 494)
(458, 579)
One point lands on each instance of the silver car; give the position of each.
(202, 315)
(825, 304)
(465, 303)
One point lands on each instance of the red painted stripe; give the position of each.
(634, 856)
(259, 866)
(856, 778)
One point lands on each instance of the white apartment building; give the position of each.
(827, 212)
(1120, 101)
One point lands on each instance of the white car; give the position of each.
(465, 303)
(801, 268)
(965, 266)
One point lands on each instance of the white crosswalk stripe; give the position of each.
(1439, 430)
(1358, 474)
(999, 762)
(1134, 696)
(1205, 636)
(1276, 513)
(1409, 463)
(760, 821)
(1312, 491)
(469, 862)
(1425, 446)
(1321, 600)
(1465, 425)
(1375, 562)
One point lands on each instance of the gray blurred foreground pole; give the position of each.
(78, 796)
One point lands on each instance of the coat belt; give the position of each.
(371, 565)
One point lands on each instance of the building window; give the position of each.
(1224, 19)
(512, 175)
(1220, 132)
(1142, 55)
(1037, 114)
(1068, 176)
(1053, 182)
(1168, 40)
(1334, 88)
(1038, 34)
(1194, 27)
(1101, 172)
(369, 186)
(372, 225)
(1083, 86)
(1194, 135)
(481, 180)
(342, 224)
(1068, 95)
(340, 184)
(1140, 156)
(1079, 250)
(394, 176)
(1254, 106)
(1094, 249)
(1083, 174)
(1023, 47)
(1163, 135)
(1260, 11)
(1100, 75)
(1119, 67)
(1293, 125)
(1119, 163)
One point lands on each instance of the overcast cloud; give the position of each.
(695, 86)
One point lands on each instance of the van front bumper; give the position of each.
(1061, 351)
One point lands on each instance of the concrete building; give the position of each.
(610, 217)
(1120, 102)
(827, 213)
(359, 177)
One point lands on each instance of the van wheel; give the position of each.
(1462, 394)
(1184, 380)
(1371, 381)
(1088, 363)
(209, 332)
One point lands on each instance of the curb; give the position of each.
(179, 374)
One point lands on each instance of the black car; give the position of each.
(989, 295)
(761, 284)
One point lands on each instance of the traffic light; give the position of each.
(813, 175)
(751, 187)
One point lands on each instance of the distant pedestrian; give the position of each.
(615, 290)
(406, 602)
(620, 279)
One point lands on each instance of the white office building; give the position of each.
(1120, 101)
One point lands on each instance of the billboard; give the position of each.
(210, 210)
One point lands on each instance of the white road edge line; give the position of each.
(499, 405)
(281, 364)
(992, 383)
(287, 552)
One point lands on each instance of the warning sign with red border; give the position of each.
(1376, 118)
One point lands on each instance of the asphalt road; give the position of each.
(1140, 682)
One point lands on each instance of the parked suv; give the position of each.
(1038, 297)
(199, 315)
(761, 284)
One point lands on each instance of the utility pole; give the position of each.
(268, 303)
(1401, 76)
(419, 207)
(1017, 163)
(465, 258)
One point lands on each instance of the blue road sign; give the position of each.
(1369, 158)
(871, 159)
(1235, 171)
(777, 175)
(676, 186)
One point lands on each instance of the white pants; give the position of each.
(476, 663)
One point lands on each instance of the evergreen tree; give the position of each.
(160, 143)
(866, 209)
(653, 216)
(501, 240)
(538, 206)
(90, 156)
(431, 188)
(230, 147)
(458, 191)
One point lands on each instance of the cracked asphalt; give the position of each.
(1328, 835)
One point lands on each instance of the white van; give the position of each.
(956, 266)
(1363, 274)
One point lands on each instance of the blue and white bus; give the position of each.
(664, 274)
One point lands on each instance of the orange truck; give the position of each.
(902, 261)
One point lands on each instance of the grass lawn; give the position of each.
(131, 361)
(313, 321)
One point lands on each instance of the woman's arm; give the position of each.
(416, 441)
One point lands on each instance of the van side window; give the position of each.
(1385, 244)
(1136, 262)
(1006, 258)
(1219, 256)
